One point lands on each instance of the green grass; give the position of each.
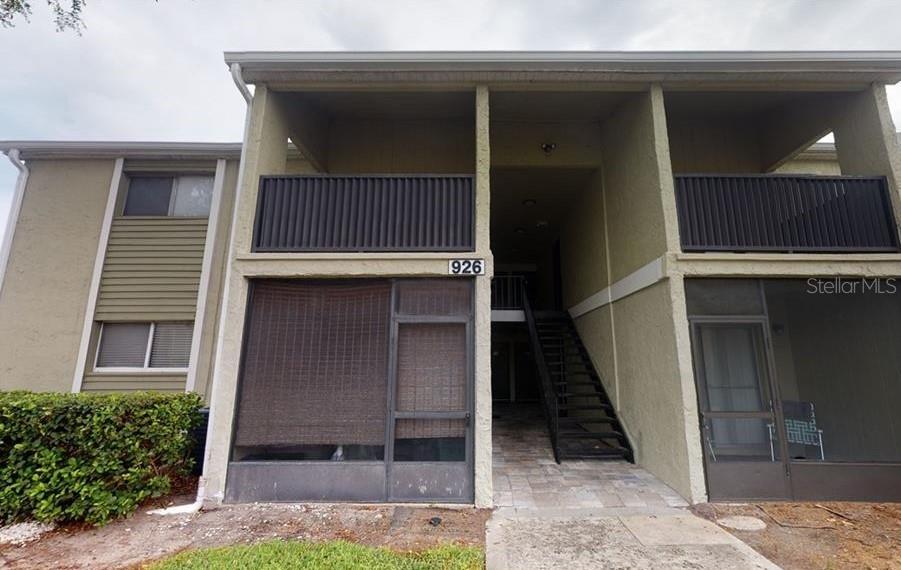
(328, 555)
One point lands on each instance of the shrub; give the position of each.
(90, 457)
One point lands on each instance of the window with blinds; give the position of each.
(175, 196)
(144, 346)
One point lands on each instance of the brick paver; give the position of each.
(526, 475)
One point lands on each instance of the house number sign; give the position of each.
(466, 267)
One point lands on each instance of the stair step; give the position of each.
(573, 373)
(584, 383)
(612, 454)
(584, 407)
(586, 420)
(580, 395)
(589, 435)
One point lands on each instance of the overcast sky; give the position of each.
(146, 70)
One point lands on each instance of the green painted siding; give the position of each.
(151, 273)
(152, 269)
(97, 382)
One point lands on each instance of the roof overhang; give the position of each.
(31, 150)
(829, 68)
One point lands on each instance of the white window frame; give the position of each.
(146, 369)
(170, 213)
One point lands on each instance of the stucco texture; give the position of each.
(48, 279)
(636, 228)
(650, 387)
(583, 245)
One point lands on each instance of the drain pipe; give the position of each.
(237, 77)
(14, 207)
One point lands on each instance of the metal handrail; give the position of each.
(547, 387)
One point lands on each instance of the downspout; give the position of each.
(15, 207)
(235, 70)
(220, 340)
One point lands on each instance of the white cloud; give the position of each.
(147, 70)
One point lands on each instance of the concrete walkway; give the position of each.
(592, 514)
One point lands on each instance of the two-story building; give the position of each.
(647, 244)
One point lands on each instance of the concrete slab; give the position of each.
(742, 522)
(551, 539)
(682, 529)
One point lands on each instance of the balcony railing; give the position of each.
(785, 213)
(364, 213)
(507, 292)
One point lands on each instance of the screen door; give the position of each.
(742, 439)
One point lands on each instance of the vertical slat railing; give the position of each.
(365, 213)
(507, 292)
(785, 213)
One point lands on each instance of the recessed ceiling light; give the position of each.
(528, 202)
(520, 231)
(541, 224)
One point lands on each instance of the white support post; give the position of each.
(78, 375)
(14, 208)
(203, 289)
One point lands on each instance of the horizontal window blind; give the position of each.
(123, 345)
(171, 345)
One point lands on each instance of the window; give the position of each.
(186, 196)
(144, 346)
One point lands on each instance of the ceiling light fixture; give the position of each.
(528, 202)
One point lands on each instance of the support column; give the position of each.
(265, 152)
(866, 141)
(695, 487)
(483, 477)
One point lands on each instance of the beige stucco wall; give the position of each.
(650, 385)
(49, 275)
(866, 141)
(633, 180)
(396, 146)
(583, 245)
(705, 145)
(819, 167)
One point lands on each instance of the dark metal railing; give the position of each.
(507, 292)
(365, 213)
(785, 213)
(549, 395)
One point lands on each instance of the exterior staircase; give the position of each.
(581, 420)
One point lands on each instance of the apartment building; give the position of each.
(650, 246)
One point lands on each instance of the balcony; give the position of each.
(319, 213)
(785, 213)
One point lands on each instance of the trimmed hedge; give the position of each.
(90, 457)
